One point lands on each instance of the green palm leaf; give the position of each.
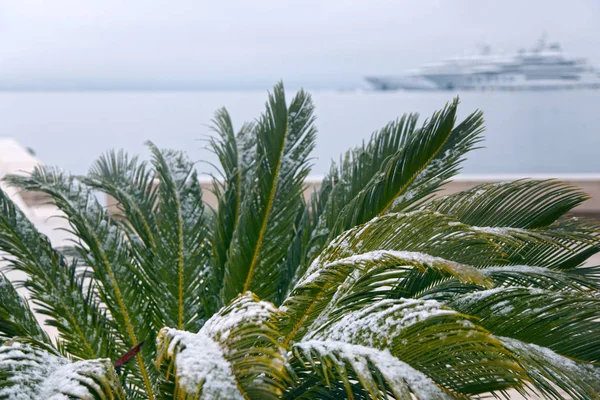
(398, 172)
(131, 184)
(235, 152)
(564, 322)
(181, 255)
(55, 287)
(266, 225)
(103, 249)
(16, 318)
(541, 278)
(355, 171)
(528, 204)
(444, 165)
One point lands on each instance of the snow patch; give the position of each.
(200, 361)
(377, 324)
(398, 374)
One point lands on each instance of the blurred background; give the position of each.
(79, 78)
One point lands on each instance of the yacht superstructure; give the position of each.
(544, 67)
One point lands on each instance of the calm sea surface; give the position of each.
(527, 132)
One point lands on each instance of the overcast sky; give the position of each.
(74, 44)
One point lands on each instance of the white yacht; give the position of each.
(544, 67)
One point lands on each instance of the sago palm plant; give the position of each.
(370, 289)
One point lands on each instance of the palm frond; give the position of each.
(310, 237)
(429, 336)
(240, 344)
(428, 234)
(235, 152)
(541, 278)
(569, 244)
(553, 247)
(16, 318)
(131, 184)
(567, 323)
(379, 374)
(550, 371)
(103, 248)
(29, 371)
(247, 329)
(356, 169)
(444, 165)
(54, 285)
(398, 172)
(528, 204)
(197, 365)
(515, 276)
(182, 251)
(266, 225)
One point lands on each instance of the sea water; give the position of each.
(527, 133)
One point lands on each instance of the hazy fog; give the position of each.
(152, 44)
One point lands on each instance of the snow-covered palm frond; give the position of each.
(103, 248)
(550, 371)
(518, 276)
(239, 345)
(363, 278)
(197, 366)
(429, 336)
(29, 371)
(568, 323)
(385, 245)
(357, 372)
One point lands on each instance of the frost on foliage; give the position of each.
(579, 379)
(552, 358)
(476, 297)
(401, 377)
(245, 309)
(519, 269)
(199, 364)
(370, 259)
(377, 324)
(500, 231)
(200, 359)
(36, 374)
